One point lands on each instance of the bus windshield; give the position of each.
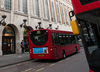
(39, 37)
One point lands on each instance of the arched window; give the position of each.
(8, 31)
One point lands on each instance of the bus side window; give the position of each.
(67, 40)
(63, 38)
(60, 39)
(73, 39)
(55, 38)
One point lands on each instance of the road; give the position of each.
(73, 63)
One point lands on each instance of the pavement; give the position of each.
(6, 60)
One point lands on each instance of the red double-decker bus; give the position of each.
(51, 44)
(87, 13)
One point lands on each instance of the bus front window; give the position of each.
(89, 32)
(39, 37)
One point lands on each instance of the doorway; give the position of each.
(8, 40)
(26, 30)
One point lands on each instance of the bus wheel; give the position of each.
(64, 54)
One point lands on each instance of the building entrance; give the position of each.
(8, 40)
(26, 30)
(8, 45)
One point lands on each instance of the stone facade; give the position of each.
(15, 18)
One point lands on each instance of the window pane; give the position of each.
(37, 7)
(8, 31)
(8, 4)
(58, 12)
(62, 10)
(53, 11)
(25, 6)
(46, 7)
(67, 19)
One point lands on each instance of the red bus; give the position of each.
(87, 13)
(51, 44)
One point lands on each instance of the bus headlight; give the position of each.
(30, 51)
(51, 49)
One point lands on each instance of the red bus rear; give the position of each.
(51, 44)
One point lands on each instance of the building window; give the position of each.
(46, 8)
(53, 11)
(37, 7)
(58, 12)
(67, 18)
(8, 4)
(62, 10)
(25, 6)
(8, 31)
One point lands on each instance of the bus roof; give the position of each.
(54, 31)
(81, 6)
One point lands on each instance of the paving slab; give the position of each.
(6, 60)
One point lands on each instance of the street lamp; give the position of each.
(50, 26)
(24, 24)
(39, 26)
(2, 22)
(57, 28)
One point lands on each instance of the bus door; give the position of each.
(90, 36)
(56, 44)
(56, 50)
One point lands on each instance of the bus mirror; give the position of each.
(75, 28)
(71, 14)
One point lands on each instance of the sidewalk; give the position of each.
(6, 60)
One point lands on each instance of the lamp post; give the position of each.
(2, 22)
(50, 26)
(39, 26)
(57, 28)
(24, 24)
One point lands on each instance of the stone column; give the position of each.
(50, 10)
(1, 31)
(41, 9)
(19, 38)
(16, 5)
(0, 41)
(31, 7)
(2, 5)
(12, 10)
(29, 11)
(34, 11)
(20, 6)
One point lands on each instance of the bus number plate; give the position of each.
(40, 55)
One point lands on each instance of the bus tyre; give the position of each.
(64, 54)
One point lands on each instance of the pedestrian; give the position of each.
(22, 46)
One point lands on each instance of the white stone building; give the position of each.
(47, 12)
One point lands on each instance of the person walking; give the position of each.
(22, 46)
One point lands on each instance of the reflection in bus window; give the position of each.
(39, 37)
(84, 2)
(63, 39)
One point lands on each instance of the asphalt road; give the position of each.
(73, 63)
